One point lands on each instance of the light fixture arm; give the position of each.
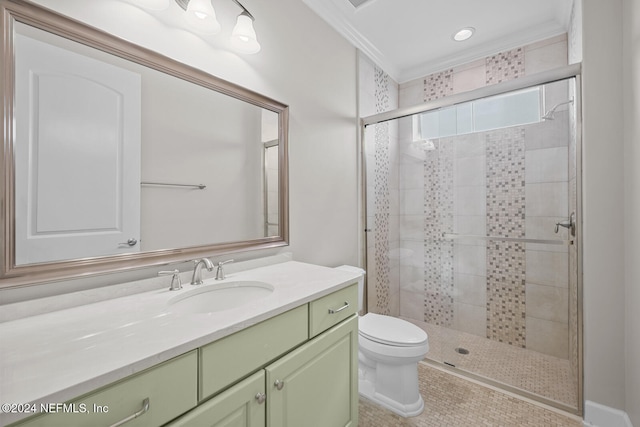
(185, 3)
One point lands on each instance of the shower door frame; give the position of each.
(562, 73)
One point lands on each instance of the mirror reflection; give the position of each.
(112, 157)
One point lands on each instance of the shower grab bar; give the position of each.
(165, 184)
(508, 239)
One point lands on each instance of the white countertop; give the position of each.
(54, 357)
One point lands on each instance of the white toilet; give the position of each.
(388, 356)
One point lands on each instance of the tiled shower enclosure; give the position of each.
(462, 207)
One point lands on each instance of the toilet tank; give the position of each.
(360, 271)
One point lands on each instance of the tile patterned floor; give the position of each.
(451, 401)
(537, 373)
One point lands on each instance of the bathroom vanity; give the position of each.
(288, 358)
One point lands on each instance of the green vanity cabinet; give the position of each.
(243, 405)
(316, 385)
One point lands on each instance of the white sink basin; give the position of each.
(219, 297)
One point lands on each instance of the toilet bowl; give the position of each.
(389, 350)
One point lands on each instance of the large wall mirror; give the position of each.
(115, 157)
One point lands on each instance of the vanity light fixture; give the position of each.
(463, 34)
(202, 17)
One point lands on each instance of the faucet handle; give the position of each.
(220, 271)
(176, 283)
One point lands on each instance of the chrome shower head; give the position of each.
(549, 115)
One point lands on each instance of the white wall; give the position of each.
(303, 63)
(604, 233)
(631, 79)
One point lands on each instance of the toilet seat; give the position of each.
(391, 331)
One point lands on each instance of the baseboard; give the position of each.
(597, 415)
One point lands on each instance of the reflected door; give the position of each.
(77, 154)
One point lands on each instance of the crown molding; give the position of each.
(330, 12)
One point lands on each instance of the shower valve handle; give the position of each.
(569, 224)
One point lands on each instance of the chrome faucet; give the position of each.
(220, 271)
(176, 283)
(197, 269)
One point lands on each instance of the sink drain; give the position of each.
(461, 350)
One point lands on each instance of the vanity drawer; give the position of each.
(170, 387)
(332, 309)
(231, 358)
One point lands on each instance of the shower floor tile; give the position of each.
(452, 401)
(536, 373)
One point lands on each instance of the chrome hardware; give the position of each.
(451, 236)
(145, 408)
(344, 307)
(261, 398)
(196, 279)
(176, 283)
(569, 224)
(279, 384)
(220, 271)
(166, 184)
(130, 242)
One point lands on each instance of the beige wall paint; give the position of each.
(631, 79)
(303, 63)
(604, 289)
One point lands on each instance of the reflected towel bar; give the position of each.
(162, 184)
(507, 239)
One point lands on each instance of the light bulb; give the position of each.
(201, 16)
(243, 36)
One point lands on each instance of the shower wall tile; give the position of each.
(412, 305)
(412, 202)
(547, 165)
(469, 76)
(547, 199)
(470, 289)
(411, 228)
(470, 259)
(438, 85)
(546, 55)
(411, 93)
(470, 318)
(475, 225)
(547, 302)
(548, 337)
(470, 171)
(470, 200)
(470, 145)
(548, 268)
(505, 66)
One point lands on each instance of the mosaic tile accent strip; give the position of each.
(382, 197)
(438, 219)
(505, 66)
(506, 314)
(453, 401)
(438, 85)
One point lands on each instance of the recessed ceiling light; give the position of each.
(463, 34)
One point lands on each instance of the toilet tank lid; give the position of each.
(391, 330)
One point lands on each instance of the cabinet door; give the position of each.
(317, 384)
(239, 406)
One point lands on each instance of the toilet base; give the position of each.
(367, 391)
(393, 386)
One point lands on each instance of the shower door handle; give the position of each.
(569, 224)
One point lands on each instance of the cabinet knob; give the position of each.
(261, 398)
(279, 384)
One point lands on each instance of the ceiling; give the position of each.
(413, 38)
